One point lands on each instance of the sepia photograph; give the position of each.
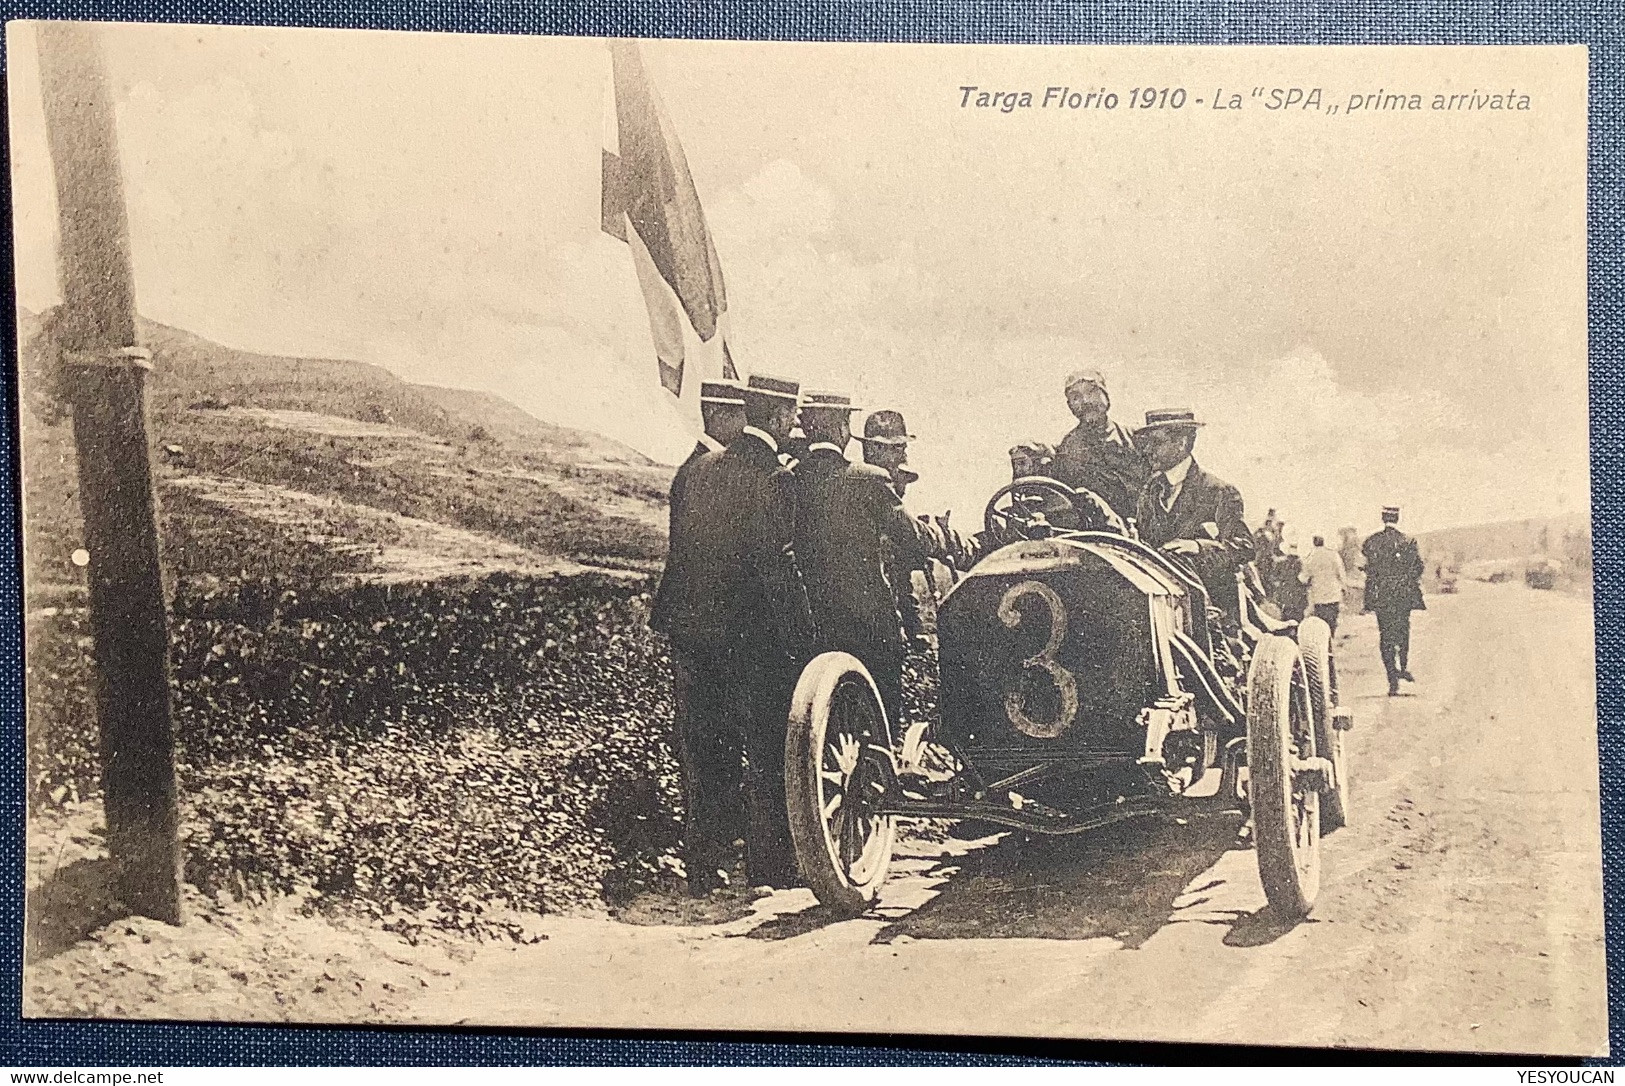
(1079, 542)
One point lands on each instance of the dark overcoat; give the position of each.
(660, 613)
(1110, 466)
(850, 525)
(731, 576)
(1203, 500)
(1393, 572)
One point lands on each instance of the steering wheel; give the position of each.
(1018, 510)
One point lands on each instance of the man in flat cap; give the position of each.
(1393, 589)
(1188, 513)
(1031, 459)
(849, 523)
(738, 612)
(1098, 454)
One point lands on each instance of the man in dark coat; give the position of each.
(849, 524)
(1393, 589)
(1290, 594)
(1098, 454)
(1186, 512)
(885, 446)
(722, 412)
(736, 609)
(708, 747)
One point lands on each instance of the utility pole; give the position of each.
(104, 374)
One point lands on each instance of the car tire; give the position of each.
(834, 777)
(1315, 643)
(1286, 821)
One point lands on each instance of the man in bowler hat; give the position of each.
(885, 446)
(1187, 512)
(1393, 589)
(737, 612)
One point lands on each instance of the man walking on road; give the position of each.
(1393, 589)
(736, 611)
(1323, 573)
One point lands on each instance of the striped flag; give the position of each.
(649, 202)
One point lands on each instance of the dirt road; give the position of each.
(1461, 909)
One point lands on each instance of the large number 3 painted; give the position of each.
(1066, 684)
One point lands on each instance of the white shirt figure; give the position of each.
(1323, 573)
(1175, 477)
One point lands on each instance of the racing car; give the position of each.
(1085, 678)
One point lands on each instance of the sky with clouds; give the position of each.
(1367, 308)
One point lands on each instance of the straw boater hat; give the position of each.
(828, 401)
(722, 391)
(778, 388)
(1390, 514)
(1169, 418)
(886, 428)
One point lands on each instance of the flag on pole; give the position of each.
(649, 202)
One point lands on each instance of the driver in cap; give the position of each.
(1099, 455)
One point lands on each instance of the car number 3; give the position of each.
(1066, 684)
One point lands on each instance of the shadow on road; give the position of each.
(1258, 928)
(790, 925)
(1120, 882)
(68, 906)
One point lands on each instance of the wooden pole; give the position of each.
(105, 378)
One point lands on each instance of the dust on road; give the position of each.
(1461, 908)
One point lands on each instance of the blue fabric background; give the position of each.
(1600, 24)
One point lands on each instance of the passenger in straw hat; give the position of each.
(1189, 513)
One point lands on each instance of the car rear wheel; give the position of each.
(1286, 814)
(835, 781)
(1315, 643)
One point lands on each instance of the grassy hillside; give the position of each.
(411, 667)
(270, 465)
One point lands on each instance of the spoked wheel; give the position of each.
(1315, 643)
(836, 780)
(1286, 809)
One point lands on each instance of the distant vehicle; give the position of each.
(1081, 684)
(1543, 573)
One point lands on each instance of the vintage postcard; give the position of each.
(1076, 542)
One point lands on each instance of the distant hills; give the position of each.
(276, 467)
(1567, 538)
(272, 468)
